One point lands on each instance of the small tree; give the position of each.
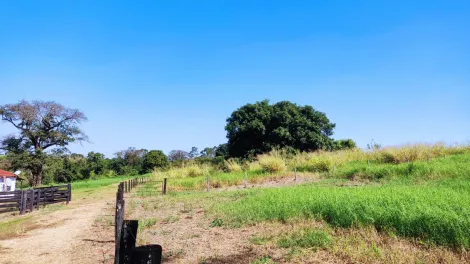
(41, 126)
(194, 153)
(178, 155)
(154, 159)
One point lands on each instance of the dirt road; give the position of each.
(58, 242)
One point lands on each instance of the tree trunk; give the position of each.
(36, 170)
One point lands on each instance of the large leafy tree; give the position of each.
(41, 126)
(260, 127)
(155, 159)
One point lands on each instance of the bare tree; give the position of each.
(41, 125)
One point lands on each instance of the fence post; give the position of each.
(164, 186)
(39, 199)
(295, 173)
(118, 220)
(23, 202)
(128, 239)
(69, 193)
(31, 200)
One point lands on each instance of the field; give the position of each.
(400, 205)
(344, 207)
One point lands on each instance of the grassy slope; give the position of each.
(406, 202)
(427, 200)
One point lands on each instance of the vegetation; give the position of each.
(260, 127)
(41, 125)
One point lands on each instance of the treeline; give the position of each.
(45, 129)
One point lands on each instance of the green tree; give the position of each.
(260, 127)
(41, 126)
(344, 144)
(155, 159)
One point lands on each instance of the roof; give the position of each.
(6, 174)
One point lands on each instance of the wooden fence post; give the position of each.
(23, 202)
(31, 200)
(128, 239)
(208, 183)
(69, 193)
(118, 220)
(39, 198)
(164, 186)
(295, 173)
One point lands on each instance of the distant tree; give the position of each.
(128, 161)
(208, 152)
(222, 151)
(344, 144)
(154, 159)
(96, 162)
(178, 155)
(194, 153)
(260, 127)
(41, 126)
(373, 145)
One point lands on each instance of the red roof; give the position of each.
(6, 174)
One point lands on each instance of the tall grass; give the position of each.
(435, 214)
(413, 161)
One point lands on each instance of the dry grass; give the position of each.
(232, 165)
(272, 162)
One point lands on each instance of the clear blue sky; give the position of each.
(166, 74)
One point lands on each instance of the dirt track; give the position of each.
(53, 244)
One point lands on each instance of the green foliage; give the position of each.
(306, 238)
(258, 128)
(438, 213)
(41, 125)
(154, 159)
(344, 144)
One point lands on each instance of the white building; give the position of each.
(7, 181)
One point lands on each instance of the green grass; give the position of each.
(306, 238)
(440, 168)
(437, 213)
(93, 184)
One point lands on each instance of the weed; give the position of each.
(217, 222)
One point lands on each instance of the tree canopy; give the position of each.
(154, 159)
(260, 127)
(41, 125)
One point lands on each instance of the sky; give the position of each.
(166, 74)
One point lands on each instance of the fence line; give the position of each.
(28, 200)
(126, 230)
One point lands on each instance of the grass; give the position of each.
(434, 213)
(306, 238)
(93, 184)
